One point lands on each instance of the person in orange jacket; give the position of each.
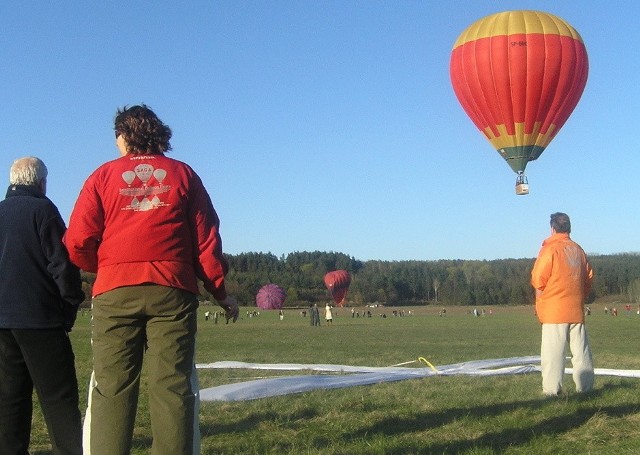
(562, 279)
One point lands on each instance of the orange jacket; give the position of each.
(562, 278)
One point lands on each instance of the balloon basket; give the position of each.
(522, 185)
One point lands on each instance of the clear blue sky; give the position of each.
(325, 125)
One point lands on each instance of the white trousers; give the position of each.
(554, 340)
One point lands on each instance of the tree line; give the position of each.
(393, 283)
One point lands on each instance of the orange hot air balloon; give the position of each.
(337, 282)
(519, 75)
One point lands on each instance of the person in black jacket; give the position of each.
(40, 291)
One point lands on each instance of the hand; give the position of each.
(231, 309)
(70, 314)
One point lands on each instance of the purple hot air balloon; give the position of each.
(270, 297)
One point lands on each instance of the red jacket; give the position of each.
(147, 219)
(563, 276)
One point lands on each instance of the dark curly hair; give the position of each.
(142, 130)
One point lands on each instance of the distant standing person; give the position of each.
(328, 314)
(315, 315)
(40, 291)
(146, 225)
(562, 279)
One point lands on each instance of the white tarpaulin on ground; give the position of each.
(349, 376)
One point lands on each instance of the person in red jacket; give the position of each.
(562, 279)
(146, 225)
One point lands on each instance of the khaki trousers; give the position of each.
(554, 340)
(157, 324)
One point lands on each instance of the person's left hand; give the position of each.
(231, 309)
(70, 314)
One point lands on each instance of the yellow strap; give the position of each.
(422, 359)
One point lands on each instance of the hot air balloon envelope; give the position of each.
(337, 282)
(519, 75)
(270, 297)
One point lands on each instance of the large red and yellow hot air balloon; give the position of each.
(519, 75)
(337, 283)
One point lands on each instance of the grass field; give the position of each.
(436, 415)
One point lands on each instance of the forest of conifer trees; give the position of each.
(441, 282)
(392, 283)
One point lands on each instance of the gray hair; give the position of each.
(27, 171)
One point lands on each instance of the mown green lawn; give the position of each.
(435, 415)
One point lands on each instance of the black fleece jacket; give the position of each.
(39, 287)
